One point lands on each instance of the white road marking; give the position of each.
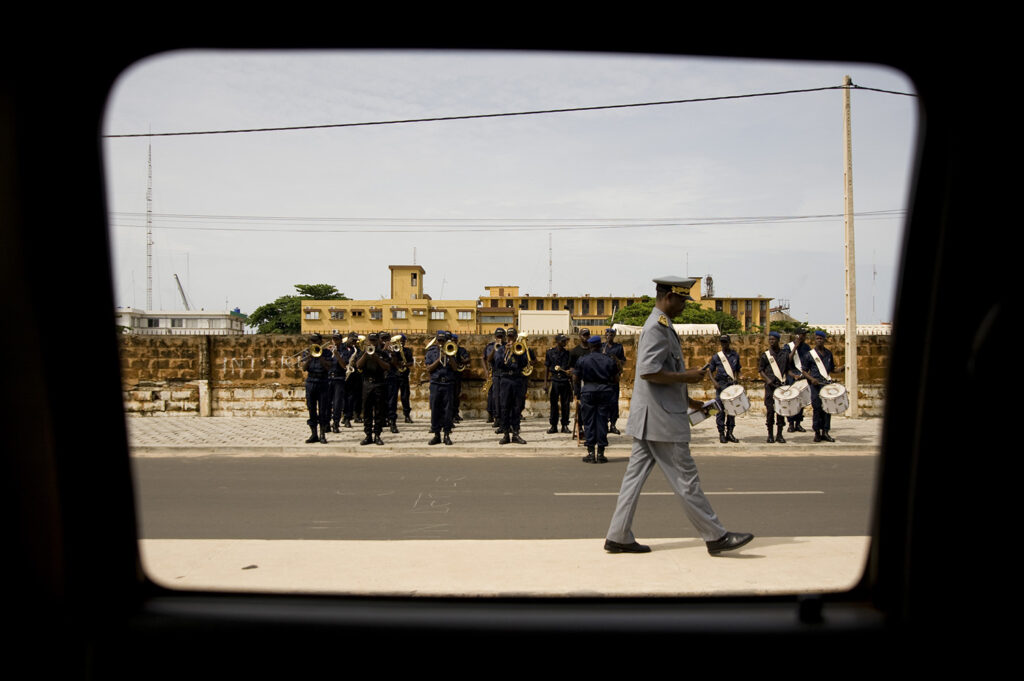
(668, 494)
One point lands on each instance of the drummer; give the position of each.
(725, 371)
(817, 374)
(798, 349)
(773, 366)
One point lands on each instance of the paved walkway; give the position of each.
(270, 436)
(550, 568)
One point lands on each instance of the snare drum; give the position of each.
(804, 388)
(734, 400)
(834, 399)
(788, 400)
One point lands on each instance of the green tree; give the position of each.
(284, 314)
(637, 313)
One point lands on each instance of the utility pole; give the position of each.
(851, 271)
(149, 232)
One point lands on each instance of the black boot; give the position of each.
(552, 430)
(565, 428)
(394, 428)
(377, 440)
(490, 418)
(771, 437)
(728, 435)
(312, 438)
(436, 440)
(614, 430)
(323, 435)
(778, 435)
(368, 440)
(721, 435)
(335, 428)
(798, 428)
(518, 440)
(817, 436)
(447, 438)
(600, 455)
(347, 422)
(589, 458)
(505, 440)
(826, 437)
(791, 428)
(408, 419)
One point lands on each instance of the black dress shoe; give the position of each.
(367, 440)
(518, 440)
(499, 431)
(791, 428)
(394, 428)
(436, 440)
(490, 419)
(323, 437)
(565, 429)
(347, 423)
(408, 419)
(614, 430)
(721, 437)
(589, 458)
(505, 440)
(731, 540)
(552, 430)
(312, 438)
(335, 428)
(817, 436)
(779, 438)
(377, 440)
(615, 547)
(447, 439)
(800, 429)
(729, 436)
(826, 437)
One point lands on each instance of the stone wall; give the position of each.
(259, 375)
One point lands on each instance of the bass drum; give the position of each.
(734, 400)
(834, 399)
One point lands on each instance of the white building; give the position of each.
(180, 323)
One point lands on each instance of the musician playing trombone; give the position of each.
(492, 391)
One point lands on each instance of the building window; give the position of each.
(376, 315)
(357, 313)
(524, 304)
(465, 315)
(734, 308)
(718, 306)
(569, 305)
(437, 314)
(312, 314)
(398, 314)
(412, 280)
(494, 303)
(540, 305)
(337, 314)
(508, 303)
(554, 305)
(600, 307)
(176, 323)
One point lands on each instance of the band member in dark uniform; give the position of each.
(513, 388)
(492, 392)
(817, 371)
(317, 394)
(725, 371)
(557, 362)
(798, 359)
(442, 385)
(773, 366)
(336, 382)
(353, 382)
(459, 365)
(597, 373)
(615, 351)
(399, 385)
(374, 367)
(574, 356)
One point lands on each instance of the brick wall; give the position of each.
(259, 375)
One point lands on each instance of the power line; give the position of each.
(536, 112)
(436, 225)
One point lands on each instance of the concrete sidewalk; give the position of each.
(269, 436)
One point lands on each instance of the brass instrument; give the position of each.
(397, 346)
(520, 348)
(316, 350)
(451, 350)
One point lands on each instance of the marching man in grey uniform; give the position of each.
(660, 428)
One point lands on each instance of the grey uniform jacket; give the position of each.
(658, 412)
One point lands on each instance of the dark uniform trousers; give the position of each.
(511, 396)
(560, 398)
(821, 419)
(375, 395)
(595, 409)
(318, 400)
(336, 390)
(441, 394)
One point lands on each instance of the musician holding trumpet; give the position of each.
(374, 363)
(315, 362)
(439, 360)
(557, 362)
(513, 363)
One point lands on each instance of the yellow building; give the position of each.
(750, 312)
(408, 310)
(501, 304)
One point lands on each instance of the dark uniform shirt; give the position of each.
(597, 372)
(557, 357)
(443, 373)
(718, 373)
(811, 367)
(781, 360)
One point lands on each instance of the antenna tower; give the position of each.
(549, 263)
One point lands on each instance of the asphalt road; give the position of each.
(343, 498)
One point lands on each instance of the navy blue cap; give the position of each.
(821, 333)
(775, 334)
(594, 340)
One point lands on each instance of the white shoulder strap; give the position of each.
(821, 365)
(726, 365)
(775, 366)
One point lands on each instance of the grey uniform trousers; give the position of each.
(678, 466)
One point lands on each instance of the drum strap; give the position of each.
(821, 366)
(726, 365)
(796, 355)
(775, 366)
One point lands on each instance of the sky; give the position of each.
(622, 195)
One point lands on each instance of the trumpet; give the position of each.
(316, 350)
(398, 347)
